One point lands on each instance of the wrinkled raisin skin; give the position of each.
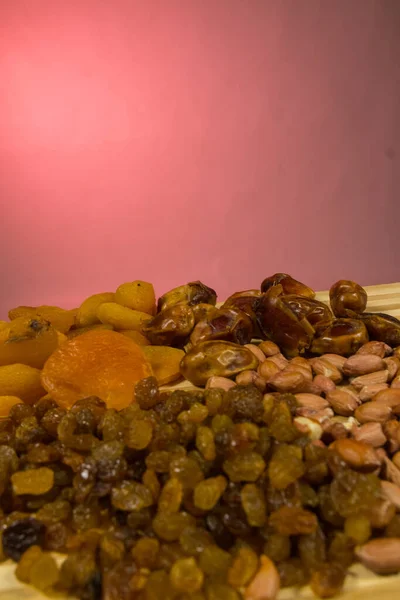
(21, 535)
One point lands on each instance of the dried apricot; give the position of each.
(59, 318)
(136, 336)
(98, 363)
(165, 362)
(6, 402)
(28, 341)
(138, 295)
(86, 315)
(21, 381)
(121, 317)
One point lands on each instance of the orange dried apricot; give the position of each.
(165, 362)
(97, 363)
(28, 341)
(137, 295)
(136, 336)
(21, 381)
(122, 317)
(6, 402)
(79, 330)
(86, 315)
(60, 319)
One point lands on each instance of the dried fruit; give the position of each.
(87, 312)
(340, 336)
(230, 324)
(186, 576)
(28, 341)
(121, 317)
(100, 363)
(289, 285)
(208, 492)
(171, 326)
(34, 481)
(137, 295)
(21, 381)
(219, 358)
(60, 319)
(246, 466)
(164, 362)
(347, 298)
(21, 535)
(192, 293)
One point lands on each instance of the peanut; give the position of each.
(396, 383)
(220, 382)
(336, 360)
(251, 377)
(287, 381)
(311, 401)
(392, 472)
(370, 433)
(370, 379)
(268, 369)
(316, 415)
(266, 582)
(378, 348)
(342, 402)
(308, 426)
(362, 364)
(258, 353)
(391, 430)
(369, 391)
(373, 412)
(391, 492)
(381, 555)
(279, 360)
(392, 365)
(325, 384)
(321, 366)
(389, 397)
(269, 348)
(356, 454)
(381, 513)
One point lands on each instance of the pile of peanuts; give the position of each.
(352, 402)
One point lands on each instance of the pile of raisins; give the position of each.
(178, 496)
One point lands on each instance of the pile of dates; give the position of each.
(284, 311)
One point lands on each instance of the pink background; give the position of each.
(170, 140)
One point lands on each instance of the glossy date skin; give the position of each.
(339, 336)
(227, 324)
(289, 285)
(279, 323)
(170, 327)
(383, 328)
(192, 293)
(216, 358)
(308, 308)
(246, 302)
(347, 298)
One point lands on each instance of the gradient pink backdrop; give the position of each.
(177, 139)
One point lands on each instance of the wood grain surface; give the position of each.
(361, 584)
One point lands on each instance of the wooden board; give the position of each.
(361, 584)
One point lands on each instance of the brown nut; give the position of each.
(322, 366)
(267, 369)
(256, 351)
(342, 402)
(392, 365)
(379, 348)
(396, 383)
(311, 401)
(392, 492)
(381, 513)
(222, 359)
(390, 397)
(370, 433)
(381, 555)
(357, 455)
(316, 415)
(309, 427)
(269, 348)
(336, 359)
(251, 377)
(347, 298)
(391, 430)
(265, 583)
(373, 412)
(279, 360)
(222, 383)
(362, 364)
(325, 384)
(392, 471)
(369, 391)
(376, 378)
(287, 381)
